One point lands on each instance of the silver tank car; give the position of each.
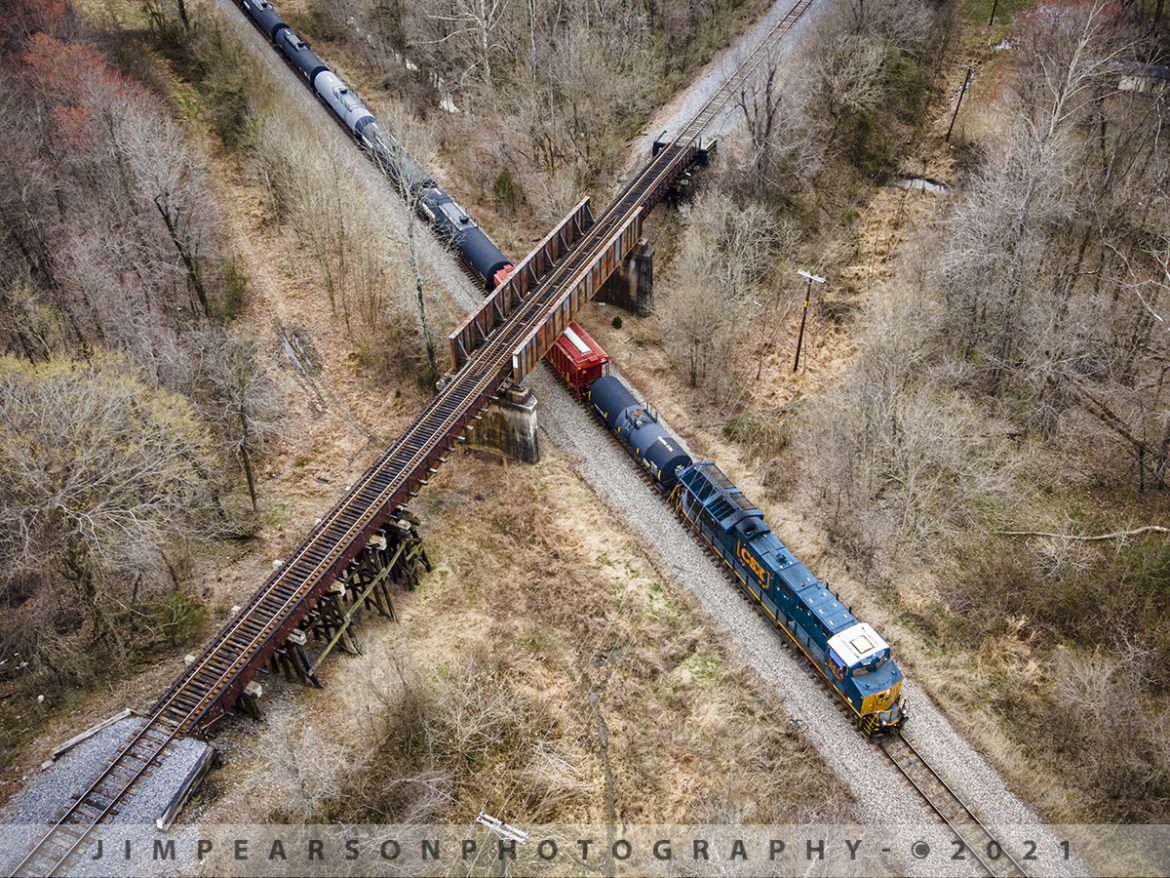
(341, 100)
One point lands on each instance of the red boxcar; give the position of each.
(578, 359)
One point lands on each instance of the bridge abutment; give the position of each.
(631, 286)
(508, 426)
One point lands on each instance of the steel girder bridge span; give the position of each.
(500, 343)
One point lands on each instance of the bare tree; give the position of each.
(473, 23)
(696, 316)
(725, 263)
(784, 137)
(242, 398)
(102, 475)
(406, 148)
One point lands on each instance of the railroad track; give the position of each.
(740, 78)
(985, 850)
(219, 674)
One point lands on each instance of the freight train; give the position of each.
(434, 205)
(853, 658)
(850, 655)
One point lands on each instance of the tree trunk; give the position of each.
(428, 336)
(246, 459)
(185, 255)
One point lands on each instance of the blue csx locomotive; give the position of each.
(849, 654)
(434, 204)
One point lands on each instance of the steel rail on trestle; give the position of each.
(205, 690)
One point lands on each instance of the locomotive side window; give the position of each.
(836, 665)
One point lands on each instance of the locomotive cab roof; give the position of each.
(859, 645)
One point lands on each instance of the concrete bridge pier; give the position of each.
(631, 286)
(508, 426)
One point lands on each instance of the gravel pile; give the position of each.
(27, 816)
(883, 796)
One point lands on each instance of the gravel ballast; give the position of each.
(438, 260)
(883, 796)
(46, 794)
(685, 105)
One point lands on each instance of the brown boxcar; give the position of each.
(578, 359)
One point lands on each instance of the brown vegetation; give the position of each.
(1019, 380)
(114, 293)
(541, 623)
(1010, 376)
(813, 137)
(546, 95)
(105, 479)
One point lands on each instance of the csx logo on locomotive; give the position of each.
(750, 562)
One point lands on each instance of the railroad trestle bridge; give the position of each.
(368, 539)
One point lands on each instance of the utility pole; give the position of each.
(506, 832)
(811, 278)
(959, 102)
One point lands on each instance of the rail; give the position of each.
(205, 690)
(986, 850)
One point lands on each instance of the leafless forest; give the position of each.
(992, 454)
(131, 405)
(983, 438)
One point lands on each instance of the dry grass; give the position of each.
(539, 605)
(1076, 729)
(540, 617)
(326, 440)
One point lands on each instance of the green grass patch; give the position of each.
(703, 667)
(182, 617)
(1005, 10)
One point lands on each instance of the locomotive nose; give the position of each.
(893, 718)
